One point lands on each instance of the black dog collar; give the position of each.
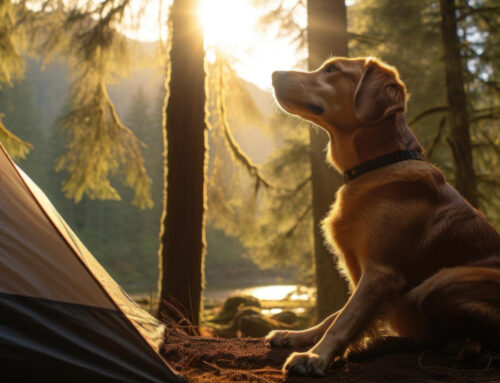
(386, 159)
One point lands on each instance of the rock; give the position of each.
(241, 316)
(288, 317)
(231, 307)
(231, 329)
(255, 326)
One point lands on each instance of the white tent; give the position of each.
(61, 314)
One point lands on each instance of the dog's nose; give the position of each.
(277, 75)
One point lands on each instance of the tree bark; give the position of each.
(327, 35)
(183, 244)
(460, 142)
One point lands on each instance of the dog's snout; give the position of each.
(277, 76)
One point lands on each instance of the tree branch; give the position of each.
(491, 143)
(468, 11)
(294, 227)
(299, 187)
(16, 147)
(365, 38)
(428, 112)
(486, 114)
(491, 84)
(236, 149)
(437, 137)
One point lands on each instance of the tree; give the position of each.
(20, 113)
(100, 148)
(378, 35)
(183, 237)
(460, 136)
(478, 25)
(429, 110)
(147, 124)
(98, 144)
(11, 69)
(326, 35)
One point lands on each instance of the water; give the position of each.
(263, 293)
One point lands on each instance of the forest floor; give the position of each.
(213, 359)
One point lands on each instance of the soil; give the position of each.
(212, 359)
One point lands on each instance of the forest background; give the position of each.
(258, 217)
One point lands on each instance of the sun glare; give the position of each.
(230, 26)
(279, 292)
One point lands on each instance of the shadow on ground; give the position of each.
(209, 359)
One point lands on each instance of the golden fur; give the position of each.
(416, 254)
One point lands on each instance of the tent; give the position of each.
(62, 317)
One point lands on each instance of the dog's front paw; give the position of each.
(279, 338)
(285, 338)
(304, 364)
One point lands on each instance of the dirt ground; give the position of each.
(209, 359)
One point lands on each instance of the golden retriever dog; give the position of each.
(418, 257)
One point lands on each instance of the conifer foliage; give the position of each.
(11, 68)
(448, 54)
(98, 144)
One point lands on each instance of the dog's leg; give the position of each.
(286, 338)
(456, 303)
(376, 288)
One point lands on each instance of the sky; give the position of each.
(231, 26)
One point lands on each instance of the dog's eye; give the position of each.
(331, 68)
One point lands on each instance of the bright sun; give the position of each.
(232, 27)
(228, 24)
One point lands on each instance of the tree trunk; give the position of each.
(465, 180)
(327, 35)
(183, 245)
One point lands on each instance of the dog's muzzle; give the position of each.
(280, 79)
(278, 76)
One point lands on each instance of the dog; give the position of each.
(417, 256)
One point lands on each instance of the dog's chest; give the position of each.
(346, 232)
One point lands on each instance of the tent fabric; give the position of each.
(149, 326)
(32, 250)
(57, 339)
(58, 304)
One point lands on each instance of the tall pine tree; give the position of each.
(183, 235)
(326, 36)
(460, 135)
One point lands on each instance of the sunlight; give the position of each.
(146, 21)
(232, 27)
(228, 24)
(279, 292)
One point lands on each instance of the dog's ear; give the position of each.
(379, 94)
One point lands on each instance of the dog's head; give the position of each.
(343, 95)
